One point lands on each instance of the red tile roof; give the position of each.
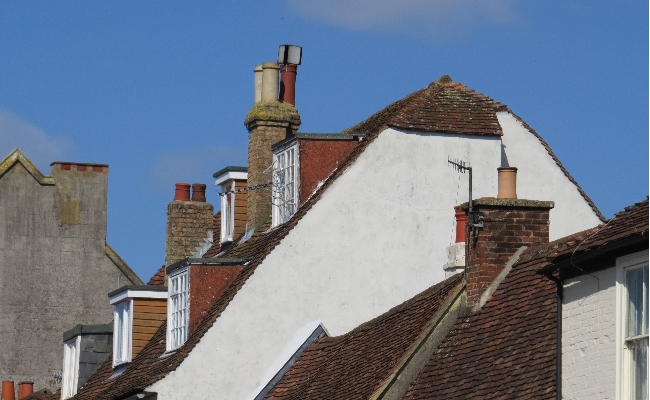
(355, 365)
(158, 279)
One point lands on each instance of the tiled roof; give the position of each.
(147, 368)
(354, 365)
(508, 348)
(158, 279)
(443, 106)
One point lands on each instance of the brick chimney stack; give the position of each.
(189, 222)
(508, 224)
(268, 122)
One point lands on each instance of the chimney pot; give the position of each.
(460, 225)
(270, 83)
(507, 183)
(198, 192)
(25, 389)
(288, 83)
(8, 392)
(258, 83)
(182, 192)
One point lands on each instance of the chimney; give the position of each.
(8, 391)
(289, 57)
(189, 222)
(25, 389)
(456, 252)
(507, 183)
(507, 224)
(268, 122)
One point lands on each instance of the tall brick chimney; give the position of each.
(268, 122)
(188, 223)
(508, 224)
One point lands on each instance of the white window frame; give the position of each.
(283, 205)
(70, 367)
(172, 327)
(227, 235)
(623, 264)
(122, 354)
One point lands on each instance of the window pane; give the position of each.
(638, 384)
(636, 281)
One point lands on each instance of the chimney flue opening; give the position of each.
(507, 183)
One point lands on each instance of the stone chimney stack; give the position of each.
(189, 222)
(508, 224)
(268, 122)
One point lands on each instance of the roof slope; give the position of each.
(508, 348)
(354, 365)
(147, 368)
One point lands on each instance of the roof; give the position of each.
(147, 368)
(508, 348)
(158, 279)
(216, 234)
(355, 365)
(443, 106)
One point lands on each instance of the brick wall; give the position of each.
(188, 223)
(318, 159)
(207, 284)
(508, 225)
(589, 336)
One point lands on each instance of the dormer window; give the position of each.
(233, 182)
(285, 184)
(178, 314)
(122, 319)
(136, 310)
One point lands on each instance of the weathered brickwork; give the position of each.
(54, 269)
(188, 223)
(507, 226)
(267, 124)
(589, 336)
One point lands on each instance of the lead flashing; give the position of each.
(87, 330)
(315, 136)
(206, 261)
(514, 203)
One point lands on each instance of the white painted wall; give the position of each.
(540, 178)
(377, 237)
(589, 336)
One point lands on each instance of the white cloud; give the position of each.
(440, 19)
(39, 146)
(193, 165)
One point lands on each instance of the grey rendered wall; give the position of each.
(54, 271)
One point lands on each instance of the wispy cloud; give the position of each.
(437, 19)
(193, 165)
(39, 146)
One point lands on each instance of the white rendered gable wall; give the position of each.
(376, 238)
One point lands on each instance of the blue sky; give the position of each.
(159, 90)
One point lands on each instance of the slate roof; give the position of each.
(355, 365)
(147, 368)
(508, 348)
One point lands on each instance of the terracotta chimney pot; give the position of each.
(8, 392)
(182, 192)
(25, 389)
(460, 225)
(198, 192)
(288, 83)
(507, 183)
